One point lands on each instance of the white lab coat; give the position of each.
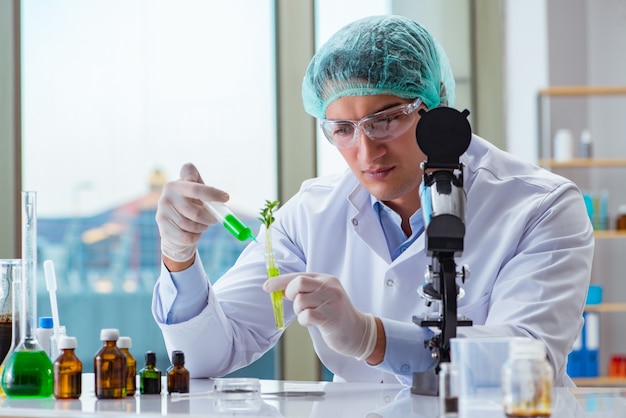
(528, 243)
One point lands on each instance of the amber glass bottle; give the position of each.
(177, 374)
(150, 376)
(124, 344)
(620, 223)
(109, 366)
(68, 370)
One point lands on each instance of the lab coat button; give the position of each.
(405, 368)
(390, 282)
(355, 222)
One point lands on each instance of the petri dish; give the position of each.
(237, 393)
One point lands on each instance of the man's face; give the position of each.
(390, 171)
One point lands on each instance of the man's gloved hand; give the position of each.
(181, 215)
(320, 300)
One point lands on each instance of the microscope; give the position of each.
(443, 134)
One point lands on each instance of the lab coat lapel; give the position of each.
(365, 223)
(415, 249)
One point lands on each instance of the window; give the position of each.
(116, 96)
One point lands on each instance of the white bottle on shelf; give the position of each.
(563, 145)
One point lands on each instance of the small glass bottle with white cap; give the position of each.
(527, 380)
(110, 367)
(124, 344)
(68, 370)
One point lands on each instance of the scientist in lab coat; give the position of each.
(351, 246)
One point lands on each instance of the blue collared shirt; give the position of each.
(390, 221)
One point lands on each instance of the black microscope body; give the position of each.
(443, 135)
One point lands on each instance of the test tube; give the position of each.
(228, 219)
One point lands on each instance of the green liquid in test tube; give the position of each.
(228, 219)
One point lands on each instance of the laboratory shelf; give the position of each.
(606, 307)
(609, 234)
(582, 91)
(601, 381)
(583, 163)
(605, 169)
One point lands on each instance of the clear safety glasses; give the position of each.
(383, 126)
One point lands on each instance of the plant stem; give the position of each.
(273, 271)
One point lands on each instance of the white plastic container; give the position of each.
(44, 332)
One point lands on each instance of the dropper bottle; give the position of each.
(177, 374)
(28, 373)
(150, 376)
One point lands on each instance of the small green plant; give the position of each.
(267, 213)
(267, 218)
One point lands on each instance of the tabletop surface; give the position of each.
(306, 399)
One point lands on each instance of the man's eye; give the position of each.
(343, 130)
(385, 122)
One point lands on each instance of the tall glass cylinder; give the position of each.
(29, 259)
(28, 372)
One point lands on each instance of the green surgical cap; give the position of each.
(378, 55)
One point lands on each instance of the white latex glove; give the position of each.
(181, 215)
(320, 300)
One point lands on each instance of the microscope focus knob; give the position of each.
(463, 273)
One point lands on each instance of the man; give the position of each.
(351, 247)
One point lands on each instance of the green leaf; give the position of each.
(267, 213)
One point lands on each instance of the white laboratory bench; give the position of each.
(345, 400)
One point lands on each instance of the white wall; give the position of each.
(526, 71)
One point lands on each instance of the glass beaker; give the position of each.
(28, 371)
(10, 270)
(10, 292)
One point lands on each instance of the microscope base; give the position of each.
(425, 383)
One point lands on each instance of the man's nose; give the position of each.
(369, 148)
